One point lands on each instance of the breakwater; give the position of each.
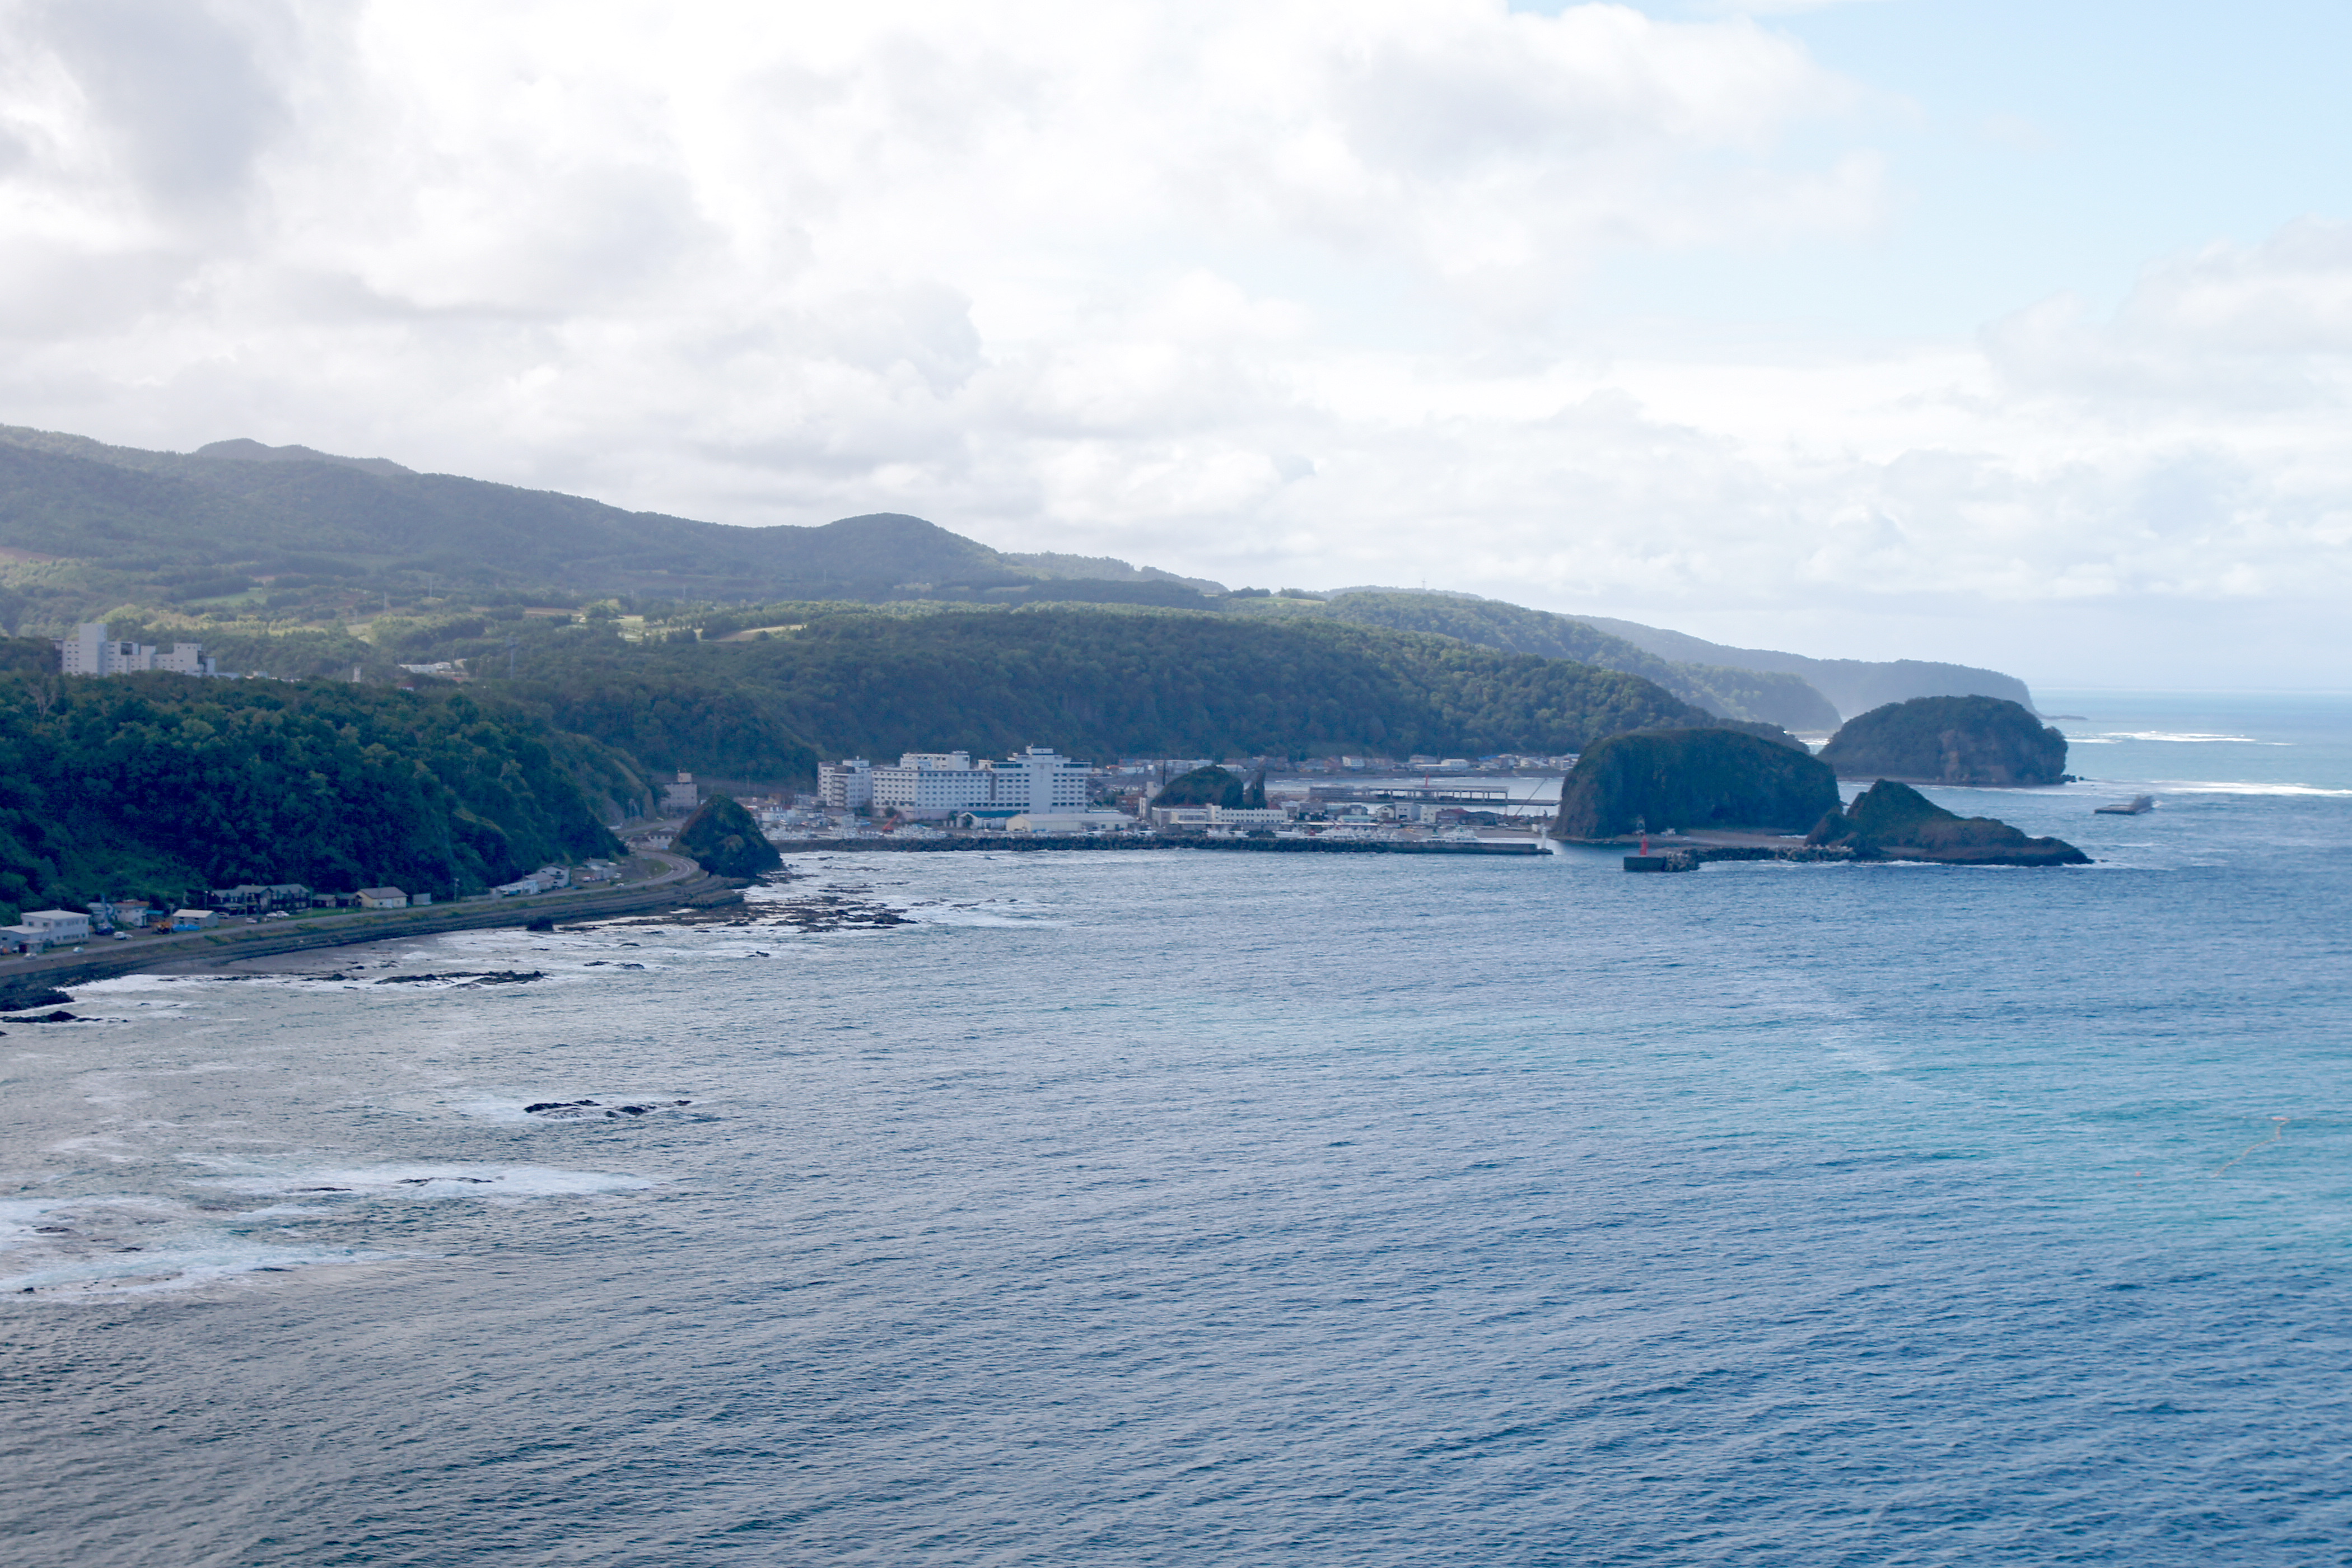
(1032, 842)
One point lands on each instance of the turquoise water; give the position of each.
(1161, 1208)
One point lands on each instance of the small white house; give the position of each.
(194, 919)
(521, 887)
(382, 899)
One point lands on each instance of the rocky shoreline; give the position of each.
(683, 884)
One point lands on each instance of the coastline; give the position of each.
(1032, 842)
(681, 881)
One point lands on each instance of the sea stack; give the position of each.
(1657, 779)
(1892, 821)
(725, 841)
(1976, 741)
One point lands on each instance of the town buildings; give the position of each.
(90, 651)
(1038, 781)
(256, 897)
(845, 785)
(41, 930)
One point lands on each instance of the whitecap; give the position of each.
(431, 1180)
(2181, 738)
(2224, 786)
(185, 1266)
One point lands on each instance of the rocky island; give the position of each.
(1654, 780)
(1967, 741)
(725, 841)
(1892, 821)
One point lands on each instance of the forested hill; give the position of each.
(153, 785)
(849, 682)
(1773, 698)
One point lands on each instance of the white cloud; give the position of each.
(1268, 291)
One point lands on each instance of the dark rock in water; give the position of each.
(541, 922)
(60, 1016)
(1892, 821)
(44, 999)
(1657, 779)
(557, 1105)
(1205, 785)
(471, 976)
(725, 841)
(1967, 741)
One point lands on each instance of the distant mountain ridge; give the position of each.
(292, 535)
(1855, 685)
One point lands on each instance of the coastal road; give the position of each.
(678, 879)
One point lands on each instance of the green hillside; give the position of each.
(1092, 682)
(240, 522)
(156, 784)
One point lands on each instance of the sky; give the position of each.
(2011, 334)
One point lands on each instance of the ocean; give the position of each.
(1152, 1208)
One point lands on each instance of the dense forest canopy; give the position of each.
(1092, 683)
(154, 785)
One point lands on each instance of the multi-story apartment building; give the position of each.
(90, 651)
(845, 785)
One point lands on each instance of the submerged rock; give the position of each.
(1892, 821)
(1969, 740)
(1657, 779)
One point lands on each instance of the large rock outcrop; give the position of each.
(1966, 741)
(1206, 786)
(1892, 821)
(725, 841)
(1659, 779)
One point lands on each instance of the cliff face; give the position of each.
(1692, 778)
(1973, 740)
(1895, 821)
(725, 841)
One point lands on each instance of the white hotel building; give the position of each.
(1038, 781)
(90, 651)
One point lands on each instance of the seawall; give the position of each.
(1029, 843)
(682, 882)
